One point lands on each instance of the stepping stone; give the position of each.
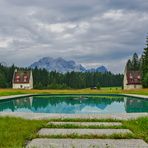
(87, 123)
(47, 131)
(87, 143)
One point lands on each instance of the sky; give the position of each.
(91, 32)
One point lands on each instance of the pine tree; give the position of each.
(141, 63)
(129, 65)
(145, 64)
(135, 62)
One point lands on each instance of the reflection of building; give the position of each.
(135, 105)
(132, 79)
(22, 79)
(24, 102)
(17, 104)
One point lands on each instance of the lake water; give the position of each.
(76, 104)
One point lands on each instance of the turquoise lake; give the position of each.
(76, 104)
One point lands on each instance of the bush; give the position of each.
(98, 86)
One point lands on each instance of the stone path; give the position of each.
(47, 116)
(14, 96)
(87, 143)
(84, 143)
(87, 123)
(137, 96)
(99, 132)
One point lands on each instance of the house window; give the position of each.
(131, 77)
(17, 77)
(25, 78)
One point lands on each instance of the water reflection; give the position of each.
(71, 104)
(135, 105)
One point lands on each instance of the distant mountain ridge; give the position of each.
(61, 65)
(101, 69)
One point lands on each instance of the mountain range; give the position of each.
(61, 65)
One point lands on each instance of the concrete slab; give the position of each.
(47, 116)
(137, 96)
(48, 132)
(87, 143)
(14, 96)
(87, 123)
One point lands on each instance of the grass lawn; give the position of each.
(139, 127)
(15, 132)
(112, 90)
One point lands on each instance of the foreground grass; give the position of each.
(76, 136)
(83, 120)
(73, 126)
(15, 132)
(114, 90)
(139, 127)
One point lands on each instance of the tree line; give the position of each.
(54, 80)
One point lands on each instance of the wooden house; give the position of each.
(22, 79)
(132, 79)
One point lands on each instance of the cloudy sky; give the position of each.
(91, 32)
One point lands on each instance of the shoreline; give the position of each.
(29, 95)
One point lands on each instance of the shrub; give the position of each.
(98, 86)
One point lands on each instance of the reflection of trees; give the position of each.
(42, 102)
(135, 105)
(7, 105)
(60, 103)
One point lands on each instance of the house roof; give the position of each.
(21, 76)
(134, 77)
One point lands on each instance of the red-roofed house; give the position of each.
(22, 79)
(132, 79)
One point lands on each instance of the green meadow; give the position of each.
(106, 90)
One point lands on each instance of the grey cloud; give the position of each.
(136, 5)
(88, 31)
